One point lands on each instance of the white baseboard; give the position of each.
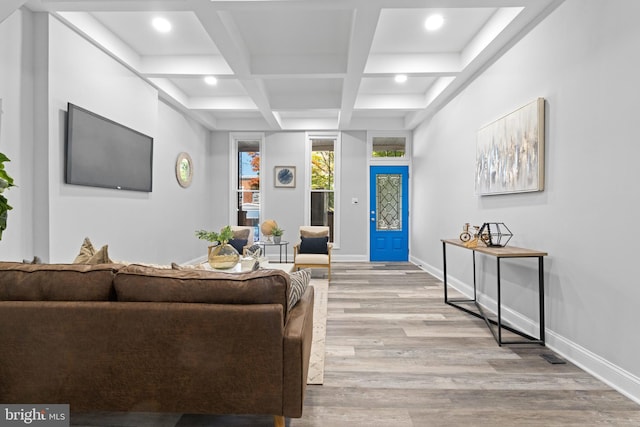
(348, 258)
(621, 380)
(612, 375)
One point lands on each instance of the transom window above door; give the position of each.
(388, 146)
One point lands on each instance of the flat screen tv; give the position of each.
(102, 153)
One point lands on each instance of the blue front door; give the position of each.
(389, 213)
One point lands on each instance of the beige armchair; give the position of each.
(243, 232)
(314, 258)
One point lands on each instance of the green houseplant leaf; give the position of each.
(223, 236)
(5, 182)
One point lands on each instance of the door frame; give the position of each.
(377, 161)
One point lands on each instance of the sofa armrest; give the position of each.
(298, 336)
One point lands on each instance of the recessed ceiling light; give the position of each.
(434, 22)
(161, 25)
(400, 78)
(210, 80)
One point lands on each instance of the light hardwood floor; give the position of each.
(398, 356)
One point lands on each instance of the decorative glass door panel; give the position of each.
(389, 201)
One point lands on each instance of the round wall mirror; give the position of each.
(184, 169)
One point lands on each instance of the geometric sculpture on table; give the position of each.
(495, 234)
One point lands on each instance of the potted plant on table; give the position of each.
(221, 256)
(5, 182)
(277, 233)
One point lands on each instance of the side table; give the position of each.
(498, 253)
(283, 245)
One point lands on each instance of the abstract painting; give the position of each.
(510, 152)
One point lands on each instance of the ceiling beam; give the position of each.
(184, 65)
(223, 103)
(223, 31)
(108, 5)
(413, 63)
(405, 101)
(363, 29)
(7, 7)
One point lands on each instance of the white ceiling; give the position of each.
(303, 64)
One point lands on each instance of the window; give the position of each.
(388, 146)
(323, 182)
(247, 183)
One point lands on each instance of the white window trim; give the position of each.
(337, 136)
(234, 137)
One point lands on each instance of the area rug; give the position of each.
(316, 362)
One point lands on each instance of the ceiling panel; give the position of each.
(291, 32)
(403, 31)
(187, 36)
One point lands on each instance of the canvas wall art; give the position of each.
(510, 152)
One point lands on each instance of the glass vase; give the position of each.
(223, 257)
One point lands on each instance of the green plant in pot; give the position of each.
(5, 182)
(221, 256)
(277, 233)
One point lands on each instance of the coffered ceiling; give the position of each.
(302, 64)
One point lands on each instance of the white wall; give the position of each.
(16, 131)
(44, 60)
(152, 227)
(354, 179)
(284, 205)
(583, 59)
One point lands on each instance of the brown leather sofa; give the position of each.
(134, 338)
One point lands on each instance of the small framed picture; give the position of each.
(285, 176)
(184, 169)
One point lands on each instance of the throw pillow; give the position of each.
(241, 234)
(254, 251)
(314, 245)
(86, 251)
(299, 282)
(100, 257)
(309, 233)
(238, 244)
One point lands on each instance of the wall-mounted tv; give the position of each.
(102, 153)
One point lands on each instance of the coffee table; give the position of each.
(286, 267)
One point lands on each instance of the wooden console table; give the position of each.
(498, 253)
